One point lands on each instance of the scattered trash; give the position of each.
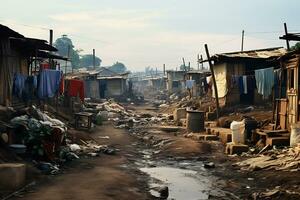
(209, 165)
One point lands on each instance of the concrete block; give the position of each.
(225, 137)
(179, 113)
(211, 138)
(211, 124)
(278, 141)
(12, 175)
(182, 122)
(236, 148)
(198, 137)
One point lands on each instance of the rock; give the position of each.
(164, 192)
(209, 165)
(75, 147)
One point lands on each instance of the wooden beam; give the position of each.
(214, 80)
(286, 33)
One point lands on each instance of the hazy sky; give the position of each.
(143, 33)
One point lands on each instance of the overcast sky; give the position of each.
(143, 33)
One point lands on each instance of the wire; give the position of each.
(26, 25)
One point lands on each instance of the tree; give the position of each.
(62, 45)
(296, 46)
(87, 61)
(183, 68)
(118, 67)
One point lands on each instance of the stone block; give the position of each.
(179, 113)
(225, 137)
(12, 175)
(211, 138)
(278, 141)
(236, 148)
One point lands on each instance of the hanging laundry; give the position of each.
(241, 84)
(30, 88)
(189, 84)
(19, 85)
(245, 85)
(62, 85)
(265, 81)
(251, 84)
(49, 81)
(76, 87)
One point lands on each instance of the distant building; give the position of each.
(175, 81)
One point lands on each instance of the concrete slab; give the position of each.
(12, 175)
(236, 148)
(278, 141)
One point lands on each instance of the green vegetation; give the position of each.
(118, 67)
(87, 61)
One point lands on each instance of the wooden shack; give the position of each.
(200, 84)
(17, 55)
(287, 105)
(175, 81)
(227, 65)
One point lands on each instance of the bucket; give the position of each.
(295, 135)
(18, 148)
(238, 132)
(195, 121)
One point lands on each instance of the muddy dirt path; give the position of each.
(97, 178)
(136, 171)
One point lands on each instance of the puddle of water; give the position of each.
(183, 184)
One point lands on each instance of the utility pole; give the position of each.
(94, 59)
(214, 80)
(243, 37)
(183, 61)
(51, 37)
(286, 33)
(51, 44)
(164, 69)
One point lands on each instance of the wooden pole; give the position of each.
(243, 37)
(94, 59)
(214, 80)
(50, 43)
(286, 33)
(183, 61)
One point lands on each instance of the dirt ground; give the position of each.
(96, 178)
(118, 176)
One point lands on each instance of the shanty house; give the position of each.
(175, 81)
(200, 83)
(113, 86)
(17, 55)
(287, 104)
(227, 66)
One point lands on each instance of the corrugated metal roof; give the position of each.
(258, 53)
(111, 77)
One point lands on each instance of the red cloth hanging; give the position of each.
(76, 87)
(62, 85)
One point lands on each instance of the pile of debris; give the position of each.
(277, 159)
